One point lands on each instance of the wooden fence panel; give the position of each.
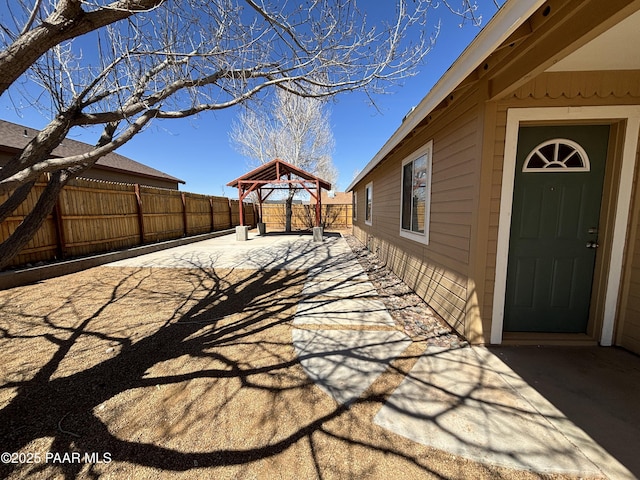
(235, 216)
(303, 216)
(273, 216)
(97, 217)
(221, 213)
(249, 214)
(198, 213)
(44, 245)
(337, 215)
(163, 214)
(94, 216)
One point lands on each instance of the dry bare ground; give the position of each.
(186, 373)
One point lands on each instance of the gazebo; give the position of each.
(273, 176)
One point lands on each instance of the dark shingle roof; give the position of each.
(17, 136)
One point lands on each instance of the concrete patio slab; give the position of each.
(343, 312)
(596, 388)
(339, 289)
(349, 270)
(345, 363)
(288, 252)
(467, 402)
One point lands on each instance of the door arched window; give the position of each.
(557, 155)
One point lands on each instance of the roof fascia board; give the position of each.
(280, 168)
(123, 171)
(97, 166)
(506, 21)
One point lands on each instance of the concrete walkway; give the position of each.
(469, 403)
(464, 401)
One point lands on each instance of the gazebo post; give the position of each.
(318, 232)
(262, 227)
(242, 231)
(318, 204)
(240, 209)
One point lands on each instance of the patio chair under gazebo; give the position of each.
(273, 176)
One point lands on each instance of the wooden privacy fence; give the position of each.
(95, 217)
(303, 216)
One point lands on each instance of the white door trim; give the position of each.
(515, 116)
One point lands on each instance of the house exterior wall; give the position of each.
(438, 272)
(628, 332)
(455, 273)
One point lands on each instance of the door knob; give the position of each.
(592, 244)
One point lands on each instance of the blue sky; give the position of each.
(198, 150)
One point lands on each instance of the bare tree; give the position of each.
(292, 128)
(120, 64)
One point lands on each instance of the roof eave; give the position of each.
(250, 176)
(139, 174)
(510, 16)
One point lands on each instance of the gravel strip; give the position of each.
(411, 313)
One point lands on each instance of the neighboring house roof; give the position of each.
(15, 137)
(505, 22)
(337, 198)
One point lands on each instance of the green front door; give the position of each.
(554, 227)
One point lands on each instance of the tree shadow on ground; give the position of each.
(192, 371)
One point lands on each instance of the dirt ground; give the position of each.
(188, 373)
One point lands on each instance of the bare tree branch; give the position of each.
(67, 21)
(293, 128)
(174, 59)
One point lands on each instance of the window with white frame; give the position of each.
(415, 203)
(354, 206)
(368, 203)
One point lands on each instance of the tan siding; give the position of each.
(628, 335)
(496, 188)
(438, 271)
(434, 270)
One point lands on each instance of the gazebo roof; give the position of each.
(273, 171)
(270, 174)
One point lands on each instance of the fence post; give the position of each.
(61, 241)
(230, 215)
(140, 212)
(213, 223)
(184, 214)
